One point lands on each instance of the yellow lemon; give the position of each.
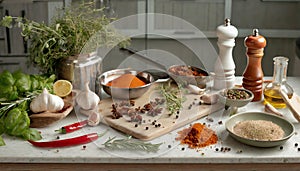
(62, 88)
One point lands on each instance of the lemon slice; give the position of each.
(62, 88)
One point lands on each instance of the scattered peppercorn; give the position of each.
(158, 125)
(217, 149)
(298, 149)
(58, 137)
(182, 148)
(281, 147)
(177, 116)
(169, 146)
(84, 147)
(146, 128)
(220, 122)
(239, 151)
(296, 144)
(136, 125)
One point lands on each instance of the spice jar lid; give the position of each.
(255, 41)
(226, 30)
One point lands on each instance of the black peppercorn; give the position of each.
(146, 128)
(136, 125)
(169, 146)
(182, 148)
(296, 144)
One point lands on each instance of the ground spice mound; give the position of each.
(197, 136)
(258, 130)
(126, 81)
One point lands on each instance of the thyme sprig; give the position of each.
(130, 144)
(173, 97)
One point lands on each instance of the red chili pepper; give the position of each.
(84, 139)
(72, 127)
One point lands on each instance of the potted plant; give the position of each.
(65, 37)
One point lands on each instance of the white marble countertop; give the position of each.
(19, 151)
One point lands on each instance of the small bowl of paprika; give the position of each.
(126, 83)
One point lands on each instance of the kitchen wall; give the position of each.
(277, 20)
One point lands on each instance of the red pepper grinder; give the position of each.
(253, 74)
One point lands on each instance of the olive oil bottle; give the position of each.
(272, 90)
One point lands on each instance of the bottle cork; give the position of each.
(253, 74)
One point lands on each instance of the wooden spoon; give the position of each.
(292, 103)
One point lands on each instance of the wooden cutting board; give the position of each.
(190, 112)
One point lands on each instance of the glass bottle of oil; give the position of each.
(272, 90)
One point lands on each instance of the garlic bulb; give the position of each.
(87, 99)
(46, 102)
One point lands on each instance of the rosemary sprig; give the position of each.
(172, 95)
(130, 144)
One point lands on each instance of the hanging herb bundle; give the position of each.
(67, 35)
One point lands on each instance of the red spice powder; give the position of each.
(126, 81)
(197, 136)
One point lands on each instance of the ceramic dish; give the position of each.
(235, 102)
(125, 93)
(287, 127)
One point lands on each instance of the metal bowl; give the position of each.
(235, 102)
(125, 93)
(180, 74)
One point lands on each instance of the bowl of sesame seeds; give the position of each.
(259, 129)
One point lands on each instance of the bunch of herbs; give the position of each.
(67, 35)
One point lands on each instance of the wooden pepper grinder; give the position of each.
(224, 66)
(253, 74)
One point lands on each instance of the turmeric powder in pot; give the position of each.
(126, 81)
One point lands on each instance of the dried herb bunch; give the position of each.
(67, 35)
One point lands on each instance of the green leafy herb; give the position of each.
(173, 97)
(14, 104)
(130, 144)
(67, 35)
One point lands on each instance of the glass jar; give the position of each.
(272, 90)
(87, 68)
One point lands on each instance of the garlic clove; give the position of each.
(271, 109)
(195, 89)
(209, 98)
(94, 118)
